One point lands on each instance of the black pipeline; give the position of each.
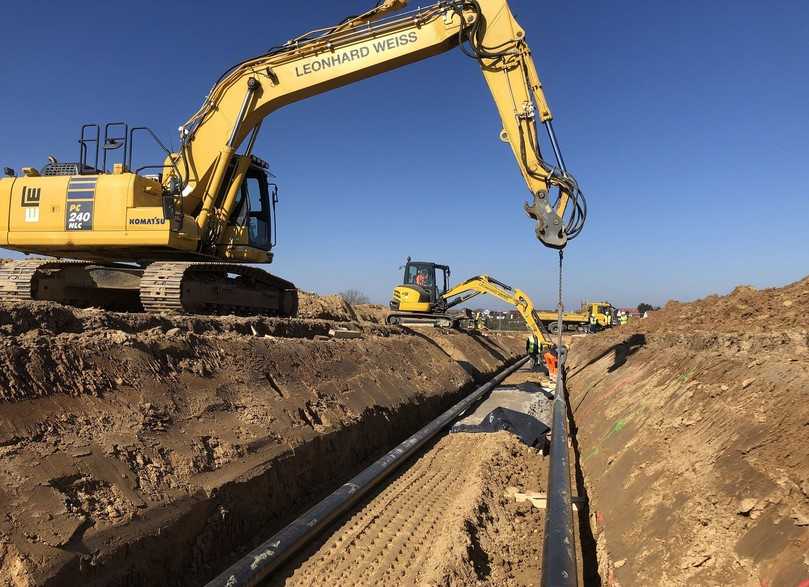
(270, 555)
(559, 549)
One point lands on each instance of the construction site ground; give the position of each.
(449, 518)
(142, 449)
(692, 437)
(138, 449)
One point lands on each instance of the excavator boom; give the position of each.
(483, 284)
(367, 45)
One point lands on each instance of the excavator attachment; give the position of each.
(549, 228)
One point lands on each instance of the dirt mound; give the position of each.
(331, 307)
(47, 348)
(746, 309)
(692, 432)
(334, 307)
(139, 449)
(446, 520)
(372, 313)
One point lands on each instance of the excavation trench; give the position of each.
(155, 450)
(691, 441)
(455, 513)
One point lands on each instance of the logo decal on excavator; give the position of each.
(81, 193)
(30, 197)
(149, 221)
(30, 202)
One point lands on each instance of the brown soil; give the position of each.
(446, 520)
(692, 428)
(334, 307)
(139, 449)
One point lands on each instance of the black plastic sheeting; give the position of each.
(526, 427)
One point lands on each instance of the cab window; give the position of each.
(258, 222)
(412, 272)
(252, 211)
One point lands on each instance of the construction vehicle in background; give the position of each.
(591, 317)
(178, 235)
(423, 298)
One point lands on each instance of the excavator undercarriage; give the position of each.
(187, 287)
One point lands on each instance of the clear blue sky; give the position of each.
(686, 123)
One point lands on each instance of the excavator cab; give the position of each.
(422, 287)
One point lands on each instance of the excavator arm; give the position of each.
(357, 48)
(483, 284)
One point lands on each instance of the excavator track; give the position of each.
(414, 318)
(215, 288)
(19, 280)
(183, 287)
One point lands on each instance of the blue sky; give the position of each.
(686, 124)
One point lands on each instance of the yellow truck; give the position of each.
(591, 317)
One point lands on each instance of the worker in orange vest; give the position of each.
(551, 357)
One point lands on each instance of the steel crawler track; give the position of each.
(205, 288)
(18, 278)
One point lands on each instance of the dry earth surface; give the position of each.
(450, 518)
(692, 435)
(140, 450)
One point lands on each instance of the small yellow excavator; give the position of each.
(420, 299)
(178, 235)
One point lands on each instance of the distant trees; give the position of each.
(354, 297)
(644, 307)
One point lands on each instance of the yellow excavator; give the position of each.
(180, 235)
(424, 298)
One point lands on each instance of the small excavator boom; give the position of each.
(421, 299)
(483, 284)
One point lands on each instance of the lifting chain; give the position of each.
(560, 306)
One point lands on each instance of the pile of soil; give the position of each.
(691, 432)
(744, 310)
(334, 307)
(139, 449)
(331, 307)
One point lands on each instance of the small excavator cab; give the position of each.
(422, 288)
(425, 275)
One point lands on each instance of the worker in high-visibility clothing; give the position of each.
(534, 350)
(551, 357)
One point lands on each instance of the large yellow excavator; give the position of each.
(423, 297)
(179, 235)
